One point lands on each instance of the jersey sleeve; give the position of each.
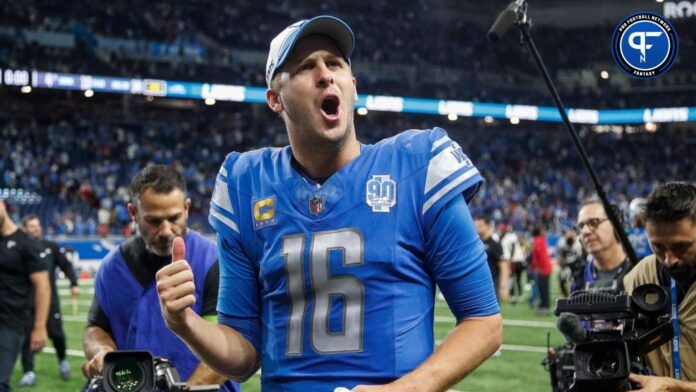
(239, 289)
(35, 259)
(222, 211)
(449, 173)
(457, 260)
(238, 304)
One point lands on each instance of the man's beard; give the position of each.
(683, 272)
(159, 250)
(310, 137)
(153, 247)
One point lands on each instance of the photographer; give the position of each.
(608, 265)
(125, 312)
(670, 215)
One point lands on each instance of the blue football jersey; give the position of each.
(639, 240)
(341, 275)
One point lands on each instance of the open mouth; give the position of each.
(330, 107)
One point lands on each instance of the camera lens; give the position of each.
(126, 376)
(604, 365)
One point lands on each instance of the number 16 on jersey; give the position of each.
(322, 287)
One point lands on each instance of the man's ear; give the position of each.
(273, 100)
(132, 210)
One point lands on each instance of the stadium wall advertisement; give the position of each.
(250, 94)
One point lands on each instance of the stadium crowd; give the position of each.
(230, 45)
(75, 160)
(81, 160)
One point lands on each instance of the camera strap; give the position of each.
(676, 360)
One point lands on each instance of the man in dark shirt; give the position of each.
(55, 258)
(494, 252)
(21, 267)
(125, 312)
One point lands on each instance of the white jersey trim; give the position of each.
(442, 192)
(224, 220)
(444, 165)
(221, 196)
(440, 142)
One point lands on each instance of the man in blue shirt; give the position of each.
(330, 249)
(636, 234)
(125, 311)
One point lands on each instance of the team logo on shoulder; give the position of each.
(11, 244)
(264, 212)
(316, 205)
(45, 253)
(380, 193)
(644, 45)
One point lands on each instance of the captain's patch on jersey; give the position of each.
(264, 212)
(380, 193)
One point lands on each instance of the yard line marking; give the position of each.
(508, 322)
(514, 347)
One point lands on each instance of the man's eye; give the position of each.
(679, 249)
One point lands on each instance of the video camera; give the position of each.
(607, 334)
(138, 371)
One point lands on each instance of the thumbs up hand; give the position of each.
(176, 288)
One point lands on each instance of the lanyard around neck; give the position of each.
(676, 359)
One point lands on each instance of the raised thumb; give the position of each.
(178, 249)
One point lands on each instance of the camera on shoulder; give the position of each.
(138, 371)
(607, 335)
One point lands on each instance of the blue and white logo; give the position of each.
(380, 193)
(644, 45)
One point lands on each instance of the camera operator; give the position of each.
(608, 263)
(125, 313)
(670, 215)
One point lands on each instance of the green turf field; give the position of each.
(516, 369)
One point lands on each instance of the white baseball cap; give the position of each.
(283, 44)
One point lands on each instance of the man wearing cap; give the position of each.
(330, 249)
